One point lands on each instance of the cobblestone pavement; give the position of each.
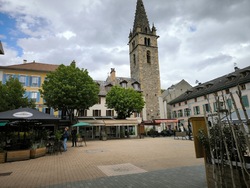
(148, 162)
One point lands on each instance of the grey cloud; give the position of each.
(102, 28)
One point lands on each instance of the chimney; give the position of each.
(236, 68)
(24, 61)
(112, 74)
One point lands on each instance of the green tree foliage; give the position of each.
(124, 101)
(12, 96)
(69, 88)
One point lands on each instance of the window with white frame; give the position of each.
(33, 96)
(174, 114)
(216, 106)
(196, 110)
(22, 79)
(34, 81)
(136, 86)
(109, 112)
(187, 112)
(206, 107)
(124, 84)
(180, 113)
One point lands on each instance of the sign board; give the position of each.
(197, 124)
(23, 114)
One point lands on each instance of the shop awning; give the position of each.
(110, 122)
(166, 120)
(120, 122)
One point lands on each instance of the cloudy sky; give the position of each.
(199, 39)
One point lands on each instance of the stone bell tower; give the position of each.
(144, 63)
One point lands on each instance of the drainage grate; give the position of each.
(5, 174)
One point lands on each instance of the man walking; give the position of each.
(73, 137)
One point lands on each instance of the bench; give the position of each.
(182, 135)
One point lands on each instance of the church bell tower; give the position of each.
(144, 63)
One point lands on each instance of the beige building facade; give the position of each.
(202, 99)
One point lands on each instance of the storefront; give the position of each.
(113, 128)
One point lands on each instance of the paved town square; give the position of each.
(148, 162)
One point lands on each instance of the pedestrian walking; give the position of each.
(73, 136)
(65, 138)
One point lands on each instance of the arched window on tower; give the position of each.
(134, 59)
(147, 41)
(133, 44)
(146, 30)
(148, 57)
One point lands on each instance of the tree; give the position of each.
(124, 101)
(12, 96)
(69, 88)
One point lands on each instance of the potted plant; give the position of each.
(225, 149)
(37, 150)
(104, 135)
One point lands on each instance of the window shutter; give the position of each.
(28, 94)
(27, 80)
(39, 81)
(30, 81)
(4, 78)
(38, 97)
(51, 111)
(245, 101)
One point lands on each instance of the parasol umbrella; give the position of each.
(81, 124)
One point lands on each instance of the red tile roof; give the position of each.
(33, 66)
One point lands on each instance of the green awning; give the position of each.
(80, 124)
(3, 124)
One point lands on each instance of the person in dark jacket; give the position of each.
(73, 137)
(65, 138)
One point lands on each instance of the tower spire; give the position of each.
(141, 23)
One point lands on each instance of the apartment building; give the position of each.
(201, 99)
(172, 93)
(31, 75)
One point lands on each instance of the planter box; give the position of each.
(226, 176)
(39, 152)
(18, 155)
(2, 157)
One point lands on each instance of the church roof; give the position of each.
(141, 19)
